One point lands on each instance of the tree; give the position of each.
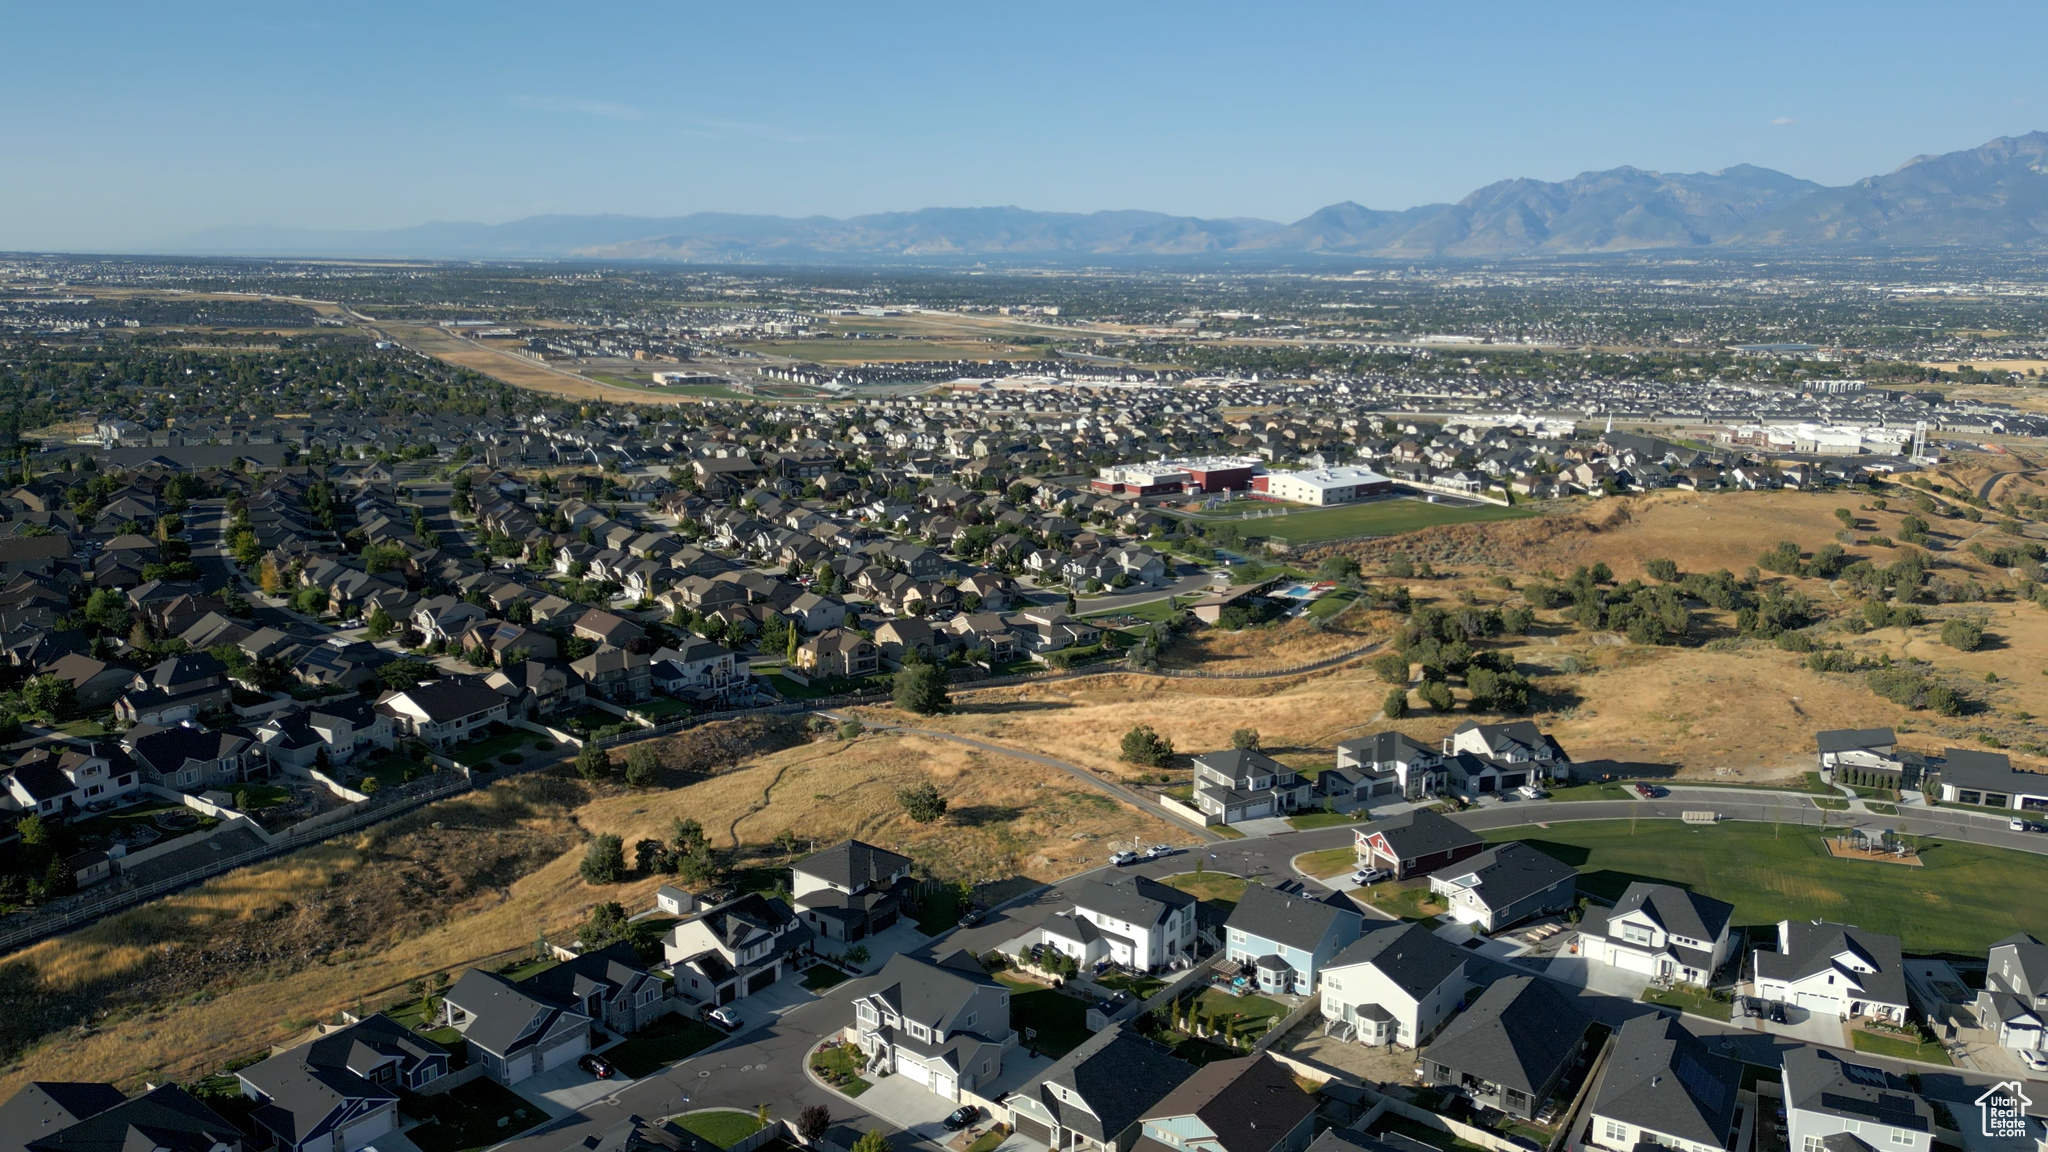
(593, 762)
(1960, 633)
(379, 624)
(1400, 566)
(1847, 518)
(1437, 695)
(604, 862)
(608, 925)
(1396, 705)
(48, 694)
(651, 856)
(688, 837)
(399, 675)
(643, 766)
(1338, 569)
(813, 1122)
(921, 688)
(923, 803)
(1662, 569)
(1391, 667)
(1245, 738)
(1142, 745)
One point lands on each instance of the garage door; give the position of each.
(762, 979)
(1031, 1129)
(1817, 1002)
(912, 1070)
(1634, 962)
(562, 1054)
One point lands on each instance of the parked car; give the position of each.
(1777, 1012)
(1531, 792)
(961, 1117)
(970, 918)
(1370, 875)
(2019, 825)
(1120, 859)
(594, 1064)
(1160, 851)
(1644, 790)
(2035, 1061)
(724, 1018)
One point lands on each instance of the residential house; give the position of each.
(1240, 784)
(190, 758)
(342, 728)
(944, 1025)
(1988, 778)
(339, 1091)
(61, 779)
(504, 640)
(735, 949)
(94, 683)
(1093, 1098)
(1249, 1104)
(444, 618)
(608, 629)
(1134, 922)
(1388, 766)
(1486, 758)
(610, 985)
(444, 712)
(1282, 937)
(536, 689)
(1661, 1086)
(1661, 931)
(1867, 754)
(1834, 970)
(698, 669)
(513, 1032)
(838, 652)
(2015, 994)
(815, 613)
(1511, 1049)
(1396, 984)
(69, 1116)
(1415, 843)
(851, 890)
(179, 688)
(1832, 1103)
(340, 663)
(1504, 886)
(616, 674)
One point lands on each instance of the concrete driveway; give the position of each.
(1266, 826)
(567, 1089)
(1605, 979)
(908, 1105)
(768, 1005)
(1812, 1027)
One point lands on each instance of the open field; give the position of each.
(1372, 518)
(648, 386)
(848, 352)
(253, 957)
(1960, 902)
(517, 371)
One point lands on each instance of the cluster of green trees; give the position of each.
(1909, 686)
(1648, 614)
(1824, 563)
(1143, 745)
(686, 853)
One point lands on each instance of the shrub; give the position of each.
(1437, 695)
(1396, 705)
(1245, 738)
(604, 862)
(643, 766)
(1662, 569)
(1142, 745)
(923, 803)
(1963, 634)
(921, 688)
(1516, 619)
(1391, 667)
(593, 762)
(1400, 566)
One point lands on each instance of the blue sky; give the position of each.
(130, 125)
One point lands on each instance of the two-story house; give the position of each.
(616, 674)
(188, 757)
(2015, 995)
(176, 689)
(1282, 937)
(58, 1116)
(1662, 1086)
(838, 652)
(1487, 758)
(1390, 766)
(735, 949)
(1834, 970)
(1396, 984)
(510, 1030)
(1091, 1099)
(1250, 1104)
(1504, 886)
(1242, 784)
(851, 890)
(340, 727)
(339, 1091)
(610, 985)
(55, 780)
(696, 669)
(444, 712)
(1511, 1049)
(1134, 922)
(1415, 843)
(944, 1025)
(1661, 931)
(1827, 1096)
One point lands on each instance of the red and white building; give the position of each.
(1323, 486)
(1198, 474)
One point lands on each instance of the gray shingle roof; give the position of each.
(1810, 947)
(1659, 1076)
(1422, 832)
(1512, 872)
(1412, 957)
(1132, 899)
(1519, 1034)
(852, 865)
(1118, 1074)
(1817, 1080)
(1849, 739)
(1292, 918)
(1682, 913)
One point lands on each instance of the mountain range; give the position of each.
(1994, 197)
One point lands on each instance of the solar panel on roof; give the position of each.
(1863, 1074)
(1704, 1086)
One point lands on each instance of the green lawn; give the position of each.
(662, 708)
(1373, 518)
(840, 1066)
(1308, 820)
(1687, 998)
(83, 729)
(1140, 987)
(819, 977)
(1960, 902)
(1408, 899)
(1898, 1047)
(721, 1127)
(254, 797)
(1059, 1021)
(1331, 604)
(389, 772)
(467, 1117)
(939, 910)
(492, 747)
(1254, 1016)
(667, 1040)
(1329, 862)
(1218, 888)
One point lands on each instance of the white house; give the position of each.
(1395, 985)
(1834, 970)
(2015, 993)
(1662, 931)
(56, 779)
(444, 712)
(1132, 921)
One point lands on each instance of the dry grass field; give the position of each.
(517, 371)
(171, 990)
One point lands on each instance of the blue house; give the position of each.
(1282, 937)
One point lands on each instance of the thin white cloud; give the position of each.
(1782, 121)
(578, 106)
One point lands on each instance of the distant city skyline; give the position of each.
(132, 126)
